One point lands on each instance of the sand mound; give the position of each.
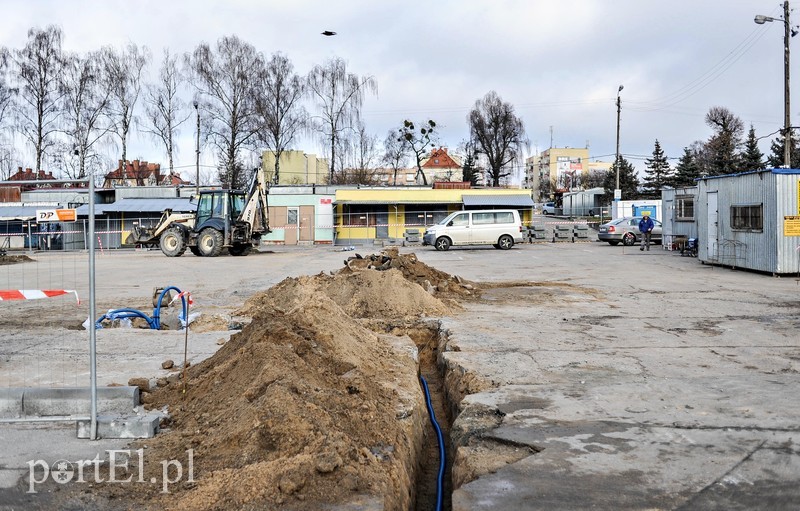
(305, 406)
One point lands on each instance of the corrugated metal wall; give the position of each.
(756, 250)
(788, 204)
(671, 226)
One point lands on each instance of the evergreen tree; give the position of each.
(687, 170)
(628, 182)
(751, 157)
(775, 159)
(657, 174)
(470, 170)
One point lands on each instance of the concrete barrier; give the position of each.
(46, 402)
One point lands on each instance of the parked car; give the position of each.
(549, 208)
(626, 231)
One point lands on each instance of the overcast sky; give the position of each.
(559, 62)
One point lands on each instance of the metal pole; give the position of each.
(616, 159)
(787, 123)
(92, 318)
(197, 148)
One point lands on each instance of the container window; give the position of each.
(747, 218)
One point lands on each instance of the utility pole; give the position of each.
(787, 123)
(760, 19)
(197, 148)
(617, 191)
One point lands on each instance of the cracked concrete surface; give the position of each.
(603, 378)
(639, 381)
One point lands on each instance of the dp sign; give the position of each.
(55, 215)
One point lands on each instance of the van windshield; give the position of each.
(446, 219)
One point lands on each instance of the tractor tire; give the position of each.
(172, 242)
(209, 242)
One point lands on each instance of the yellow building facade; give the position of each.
(364, 215)
(296, 168)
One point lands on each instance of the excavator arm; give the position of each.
(256, 208)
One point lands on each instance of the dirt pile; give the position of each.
(305, 406)
(14, 259)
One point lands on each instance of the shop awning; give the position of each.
(24, 213)
(511, 201)
(131, 205)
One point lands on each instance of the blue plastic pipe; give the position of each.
(155, 322)
(440, 441)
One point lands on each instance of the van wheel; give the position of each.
(505, 242)
(442, 243)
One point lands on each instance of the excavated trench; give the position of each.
(426, 336)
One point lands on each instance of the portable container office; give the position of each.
(750, 220)
(680, 220)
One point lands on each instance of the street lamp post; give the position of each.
(197, 148)
(617, 191)
(787, 124)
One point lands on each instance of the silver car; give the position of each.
(626, 231)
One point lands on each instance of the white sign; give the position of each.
(617, 194)
(56, 215)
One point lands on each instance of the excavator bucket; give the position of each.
(140, 235)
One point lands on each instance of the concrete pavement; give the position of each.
(633, 381)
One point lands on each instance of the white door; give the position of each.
(459, 229)
(292, 231)
(713, 226)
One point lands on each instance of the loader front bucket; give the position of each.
(140, 235)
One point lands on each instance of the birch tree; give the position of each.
(225, 79)
(339, 96)
(38, 69)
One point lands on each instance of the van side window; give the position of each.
(504, 217)
(482, 218)
(462, 219)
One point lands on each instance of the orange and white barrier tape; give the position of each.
(180, 295)
(34, 294)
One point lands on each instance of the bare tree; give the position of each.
(364, 155)
(38, 73)
(418, 142)
(722, 148)
(123, 71)
(225, 79)
(281, 115)
(6, 90)
(86, 99)
(339, 96)
(395, 154)
(164, 107)
(8, 162)
(498, 133)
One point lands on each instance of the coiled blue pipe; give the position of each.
(440, 441)
(154, 323)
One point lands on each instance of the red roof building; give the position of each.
(135, 173)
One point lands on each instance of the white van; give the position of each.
(499, 227)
